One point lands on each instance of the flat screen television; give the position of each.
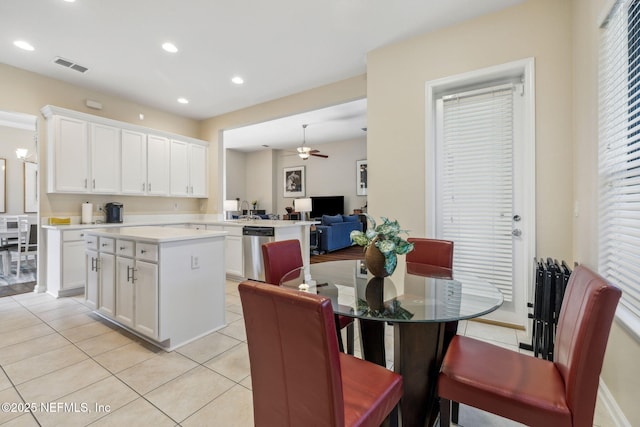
(326, 205)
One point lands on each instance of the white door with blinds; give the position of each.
(480, 190)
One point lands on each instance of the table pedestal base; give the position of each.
(417, 357)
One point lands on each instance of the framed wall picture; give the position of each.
(3, 185)
(30, 187)
(294, 183)
(361, 177)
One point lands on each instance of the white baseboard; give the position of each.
(617, 416)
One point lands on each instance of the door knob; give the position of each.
(517, 232)
(517, 218)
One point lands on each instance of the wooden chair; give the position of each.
(298, 376)
(538, 392)
(285, 255)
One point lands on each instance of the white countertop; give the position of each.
(156, 234)
(164, 222)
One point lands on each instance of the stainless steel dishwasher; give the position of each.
(252, 239)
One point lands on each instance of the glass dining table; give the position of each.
(417, 301)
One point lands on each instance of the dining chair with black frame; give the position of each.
(283, 256)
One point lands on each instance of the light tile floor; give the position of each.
(62, 365)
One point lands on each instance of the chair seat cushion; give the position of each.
(514, 385)
(370, 391)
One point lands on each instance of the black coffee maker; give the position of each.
(113, 212)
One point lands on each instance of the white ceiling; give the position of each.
(279, 47)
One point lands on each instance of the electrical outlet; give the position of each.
(195, 262)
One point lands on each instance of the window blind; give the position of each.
(619, 157)
(476, 184)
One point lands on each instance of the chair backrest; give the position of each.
(294, 356)
(24, 232)
(581, 339)
(33, 236)
(438, 253)
(279, 258)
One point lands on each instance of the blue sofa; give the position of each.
(335, 230)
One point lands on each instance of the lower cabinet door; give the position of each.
(146, 299)
(125, 291)
(107, 302)
(92, 280)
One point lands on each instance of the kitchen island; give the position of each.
(164, 284)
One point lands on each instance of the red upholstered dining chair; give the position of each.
(298, 376)
(285, 255)
(436, 253)
(538, 392)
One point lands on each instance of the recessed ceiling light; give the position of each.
(70, 1)
(237, 80)
(169, 47)
(23, 45)
(183, 100)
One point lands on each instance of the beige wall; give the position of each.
(620, 372)
(396, 111)
(261, 174)
(26, 92)
(212, 129)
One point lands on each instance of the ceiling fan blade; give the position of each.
(324, 156)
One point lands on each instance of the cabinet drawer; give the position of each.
(125, 248)
(147, 252)
(73, 235)
(90, 242)
(107, 245)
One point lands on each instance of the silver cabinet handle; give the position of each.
(143, 251)
(143, 186)
(131, 274)
(94, 183)
(149, 186)
(85, 183)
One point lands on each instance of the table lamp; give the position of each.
(230, 206)
(303, 206)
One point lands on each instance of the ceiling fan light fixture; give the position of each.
(303, 155)
(304, 150)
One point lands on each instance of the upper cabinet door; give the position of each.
(198, 176)
(179, 168)
(134, 162)
(105, 159)
(68, 170)
(157, 165)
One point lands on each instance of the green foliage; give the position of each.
(386, 237)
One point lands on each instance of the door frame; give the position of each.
(434, 89)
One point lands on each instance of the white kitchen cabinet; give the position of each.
(198, 171)
(68, 155)
(136, 285)
(93, 281)
(169, 289)
(188, 169)
(105, 159)
(94, 155)
(125, 292)
(234, 258)
(157, 165)
(179, 168)
(107, 284)
(66, 262)
(134, 162)
(146, 298)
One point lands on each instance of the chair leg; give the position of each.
(455, 411)
(339, 332)
(445, 412)
(350, 338)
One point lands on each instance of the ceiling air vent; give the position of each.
(70, 64)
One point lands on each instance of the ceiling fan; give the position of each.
(303, 151)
